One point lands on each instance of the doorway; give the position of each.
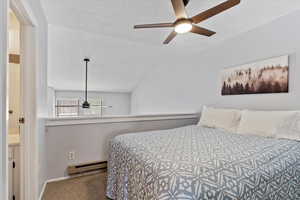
(28, 50)
(14, 107)
(24, 120)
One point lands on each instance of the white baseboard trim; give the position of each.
(59, 179)
(49, 181)
(43, 190)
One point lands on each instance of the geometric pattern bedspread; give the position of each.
(201, 163)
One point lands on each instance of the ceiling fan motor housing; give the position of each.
(183, 21)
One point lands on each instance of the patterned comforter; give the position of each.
(201, 163)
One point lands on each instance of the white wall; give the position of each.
(51, 101)
(120, 101)
(192, 79)
(40, 95)
(90, 142)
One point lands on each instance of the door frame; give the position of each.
(28, 144)
(3, 99)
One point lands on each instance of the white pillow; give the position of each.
(289, 128)
(227, 119)
(262, 123)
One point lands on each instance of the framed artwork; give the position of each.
(266, 76)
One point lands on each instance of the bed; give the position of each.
(201, 163)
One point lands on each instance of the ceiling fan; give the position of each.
(183, 24)
(86, 104)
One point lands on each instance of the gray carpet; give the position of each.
(89, 187)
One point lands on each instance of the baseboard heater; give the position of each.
(87, 167)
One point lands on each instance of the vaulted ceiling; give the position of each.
(114, 20)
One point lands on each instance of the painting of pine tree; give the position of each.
(267, 76)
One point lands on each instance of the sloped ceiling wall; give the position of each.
(116, 64)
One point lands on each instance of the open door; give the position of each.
(14, 107)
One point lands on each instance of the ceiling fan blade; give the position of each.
(159, 25)
(215, 10)
(202, 31)
(170, 37)
(179, 9)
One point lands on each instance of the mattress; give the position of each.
(200, 163)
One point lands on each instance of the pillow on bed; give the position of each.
(262, 123)
(289, 128)
(227, 119)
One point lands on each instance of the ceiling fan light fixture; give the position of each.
(183, 26)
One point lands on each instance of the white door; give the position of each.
(14, 98)
(14, 102)
(10, 173)
(16, 173)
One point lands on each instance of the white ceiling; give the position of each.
(114, 20)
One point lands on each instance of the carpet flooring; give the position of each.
(89, 187)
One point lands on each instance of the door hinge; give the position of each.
(14, 164)
(21, 120)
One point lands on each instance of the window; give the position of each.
(72, 107)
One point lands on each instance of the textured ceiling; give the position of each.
(136, 52)
(117, 17)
